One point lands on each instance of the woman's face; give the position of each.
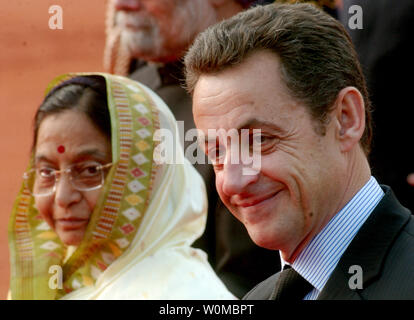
(65, 139)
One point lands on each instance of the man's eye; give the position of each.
(216, 154)
(260, 138)
(263, 143)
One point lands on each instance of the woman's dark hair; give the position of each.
(86, 94)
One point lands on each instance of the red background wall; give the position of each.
(31, 54)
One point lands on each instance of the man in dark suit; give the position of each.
(288, 78)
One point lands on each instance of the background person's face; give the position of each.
(161, 30)
(289, 200)
(68, 210)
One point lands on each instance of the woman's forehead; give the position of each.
(70, 134)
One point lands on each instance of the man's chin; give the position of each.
(262, 240)
(141, 43)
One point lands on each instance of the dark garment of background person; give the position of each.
(384, 47)
(238, 262)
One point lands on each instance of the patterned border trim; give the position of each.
(111, 208)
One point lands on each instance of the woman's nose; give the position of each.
(65, 193)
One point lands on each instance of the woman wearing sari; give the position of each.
(97, 217)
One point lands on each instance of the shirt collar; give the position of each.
(321, 255)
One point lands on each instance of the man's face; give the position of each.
(295, 191)
(161, 30)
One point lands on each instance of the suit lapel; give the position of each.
(368, 249)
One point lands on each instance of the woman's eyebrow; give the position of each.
(42, 158)
(90, 152)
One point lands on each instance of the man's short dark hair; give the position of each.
(317, 57)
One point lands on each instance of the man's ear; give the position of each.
(350, 117)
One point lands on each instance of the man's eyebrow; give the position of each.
(255, 123)
(250, 123)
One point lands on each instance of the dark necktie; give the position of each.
(290, 286)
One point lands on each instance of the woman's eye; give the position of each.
(90, 170)
(45, 172)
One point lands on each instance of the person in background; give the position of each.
(100, 214)
(383, 43)
(288, 75)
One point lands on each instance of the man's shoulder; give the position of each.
(396, 280)
(146, 74)
(409, 229)
(263, 290)
(383, 248)
(404, 245)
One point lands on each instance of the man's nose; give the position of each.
(65, 193)
(235, 179)
(128, 5)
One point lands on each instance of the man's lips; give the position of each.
(135, 26)
(250, 202)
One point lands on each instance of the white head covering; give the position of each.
(160, 264)
(137, 244)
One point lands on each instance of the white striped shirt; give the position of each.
(319, 258)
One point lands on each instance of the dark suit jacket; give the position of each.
(383, 247)
(384, 49)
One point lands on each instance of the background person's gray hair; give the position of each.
(117, 58)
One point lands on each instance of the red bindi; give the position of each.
(61, 149)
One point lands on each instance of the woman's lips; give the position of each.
(71, 223)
